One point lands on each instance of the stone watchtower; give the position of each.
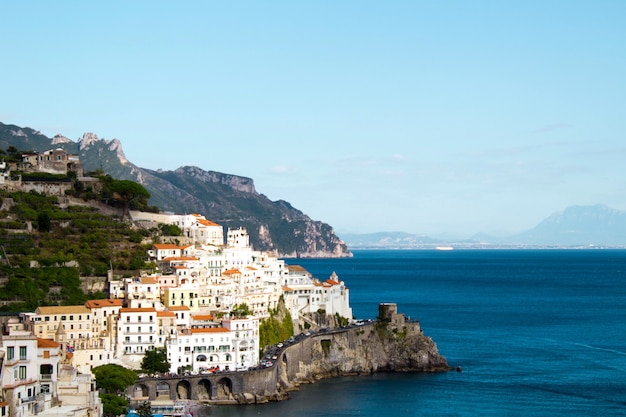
(389, 312)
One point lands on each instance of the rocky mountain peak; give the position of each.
(58, 139)
(87, 140)
(237, 183)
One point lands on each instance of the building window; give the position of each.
(22, 371)
(23, 355)
(10, 352)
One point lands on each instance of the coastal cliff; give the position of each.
(381, 346)
(390, 344)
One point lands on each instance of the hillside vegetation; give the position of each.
(47, 249)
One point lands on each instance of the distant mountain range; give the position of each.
(229, 200)
(575, 227)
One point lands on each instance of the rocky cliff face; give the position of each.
(363, 350)
(369, 349)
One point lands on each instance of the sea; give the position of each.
(535, 332)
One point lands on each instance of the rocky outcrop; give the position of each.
(358, 350)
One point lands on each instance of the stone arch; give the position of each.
(201, 358)
(204, 390)
(183, 390)
(224, 388)
(141, 391)
(162, 390)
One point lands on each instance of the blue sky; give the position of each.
(426, 117)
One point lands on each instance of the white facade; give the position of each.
(305, 294)
(32, 380)
(138, 332)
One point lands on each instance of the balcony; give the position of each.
(45, 377)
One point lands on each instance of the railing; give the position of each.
(45, 377)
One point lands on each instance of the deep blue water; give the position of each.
(537, 333)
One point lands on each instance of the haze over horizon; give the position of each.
(446, 117)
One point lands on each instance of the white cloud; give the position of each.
(282, 170)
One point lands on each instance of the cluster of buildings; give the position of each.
(203, 304)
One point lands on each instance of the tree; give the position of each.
(241, 310)
(170, 229)
(113, 405)
(155, 361)
(130, 193)
(114, 378)
(44, 224)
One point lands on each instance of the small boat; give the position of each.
(444, 248)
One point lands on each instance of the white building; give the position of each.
(32, 380)
(138, 332)
(305, 294)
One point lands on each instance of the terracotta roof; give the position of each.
(46, 343)
(165, 314)
(148, 280)
(47, 310)
(232, 271)
(137, 310)
(206, 222)
(202, 317)
(296, 268)
(285, 289)
(250, 268)
(331, 282)
(210, 330)
(104, 303)
(178, 308)
(165, 246)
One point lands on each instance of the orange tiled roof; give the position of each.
(104, 303)
(137, 310)
(206, 222)
(46, 343)
(165, 246)
(296, 268)
(202, 317)
(178, 308)
(165, 314)
(148, 280)
(232, 271)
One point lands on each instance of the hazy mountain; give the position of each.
(596, 225)
(229, 200)
(387, 240)
(576, 226)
